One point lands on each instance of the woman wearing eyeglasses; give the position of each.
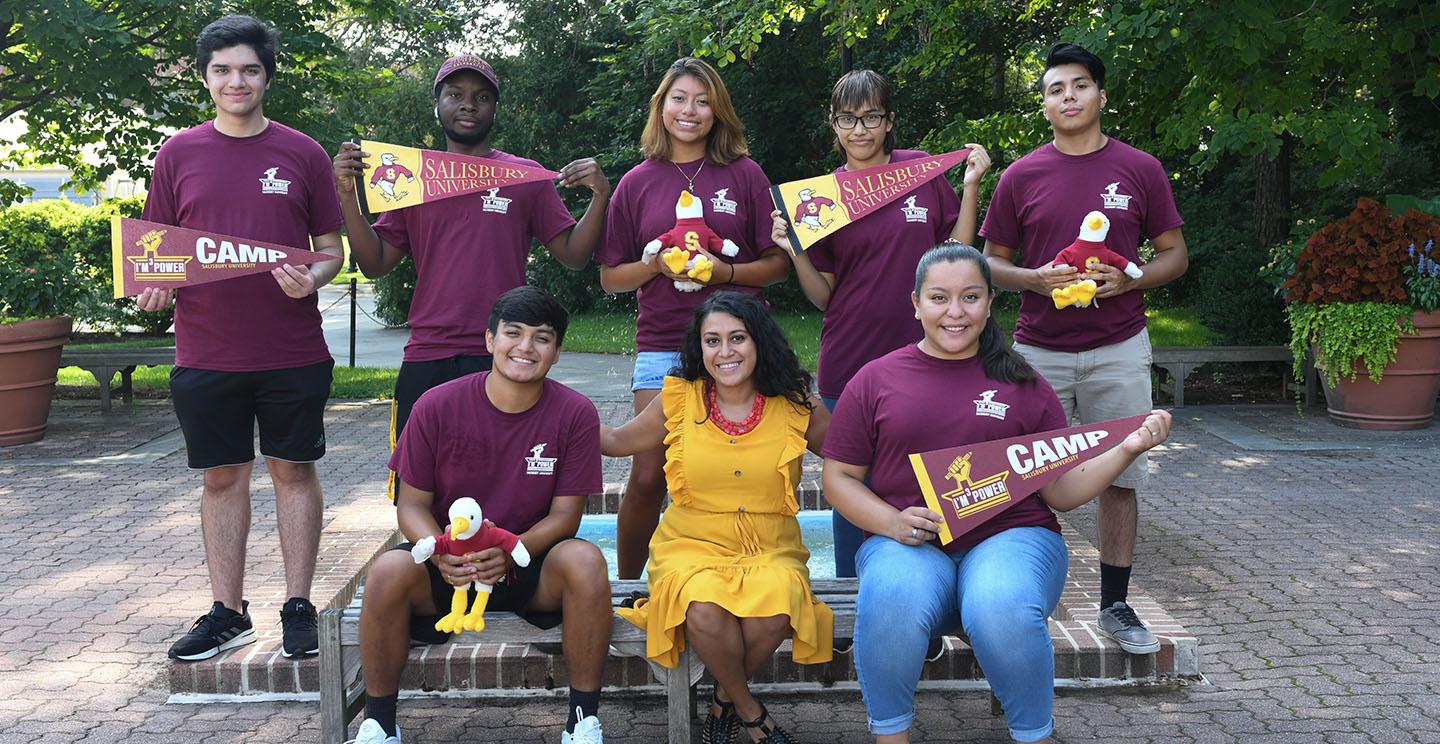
(860, 276)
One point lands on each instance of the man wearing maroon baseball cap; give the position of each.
(468, 250)
(466, 62)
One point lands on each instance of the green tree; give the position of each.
(117, 77)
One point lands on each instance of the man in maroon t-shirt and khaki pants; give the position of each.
(249, 350)
(1097, 357)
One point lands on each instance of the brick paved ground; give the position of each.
(1308, 575)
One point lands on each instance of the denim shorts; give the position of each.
(651, 368)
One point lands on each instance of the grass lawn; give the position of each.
(615, 334)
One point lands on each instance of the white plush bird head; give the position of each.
(465, 518)
(1095, 227)
(688, 206)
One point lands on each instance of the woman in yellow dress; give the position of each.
(727, 570)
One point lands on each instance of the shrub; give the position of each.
(44, 275)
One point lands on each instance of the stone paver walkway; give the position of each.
(1308, 574)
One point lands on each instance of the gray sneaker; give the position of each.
(1119, 623)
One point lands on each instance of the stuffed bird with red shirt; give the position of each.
(1087, 252)
(468, 533)
(680, 246)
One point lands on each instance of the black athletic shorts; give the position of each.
(511, 595)
(417, 377)
(218, 412)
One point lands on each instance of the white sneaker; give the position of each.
(372, 733)
(587, 731)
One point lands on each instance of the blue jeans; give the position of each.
(847, 536)
(1001, 591)
(651, 368)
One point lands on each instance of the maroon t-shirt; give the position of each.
(1037, 209)
(908, 401)
(274, 187)
(873, 261)
(737, 206)
(468, 250)
(458, 444)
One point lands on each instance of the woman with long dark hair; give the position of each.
(693, 143)
(859, 276)
(727, 570)
(1000, 580)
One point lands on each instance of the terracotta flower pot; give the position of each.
(1404, 398)
(29, 359)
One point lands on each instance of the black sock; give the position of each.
(1114, 584)
(382, 709)
(587, 702)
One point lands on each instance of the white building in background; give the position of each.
(47, 182)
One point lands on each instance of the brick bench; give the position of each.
(1178, 362)
(342, 682)
(105, 362)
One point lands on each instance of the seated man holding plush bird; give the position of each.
(505, 459)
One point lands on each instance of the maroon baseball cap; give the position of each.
(467, 62)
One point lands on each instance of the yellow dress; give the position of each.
(729, 535)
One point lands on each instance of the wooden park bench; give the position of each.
(103, 363)
(1177, 362)
(342, 683)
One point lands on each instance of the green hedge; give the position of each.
(78, 236)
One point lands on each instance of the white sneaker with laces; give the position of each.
(372, 733)
(587, 731)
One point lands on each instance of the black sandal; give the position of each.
(723, 728)
(775, 735)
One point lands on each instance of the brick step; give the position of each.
(1081, 655)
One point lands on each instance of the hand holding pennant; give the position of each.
(971, 484)
(816, 207)
(151, 255)
(396, 177)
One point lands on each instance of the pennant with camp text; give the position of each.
(400, 177)
(816, 207)
(148, 254)
(969, 485)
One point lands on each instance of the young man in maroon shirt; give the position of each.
(1097, 358)
(467, 249)
(249, 350)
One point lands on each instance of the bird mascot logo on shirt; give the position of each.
(468, 533)
(1087, 252)
(680, 246)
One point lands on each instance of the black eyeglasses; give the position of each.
(847, 121)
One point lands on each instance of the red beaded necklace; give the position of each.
(730, 427)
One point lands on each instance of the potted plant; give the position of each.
(1363, 294)
(39, 285)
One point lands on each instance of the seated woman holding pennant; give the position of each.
(961, 384)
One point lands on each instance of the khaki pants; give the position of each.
(1101, 384)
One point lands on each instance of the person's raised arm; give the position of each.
(817, 285)
(373, 255)
(975, 166)
(1089, 479)
(574, 247)
(644, 432)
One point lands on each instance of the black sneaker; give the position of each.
(216, 631)
(301, 633)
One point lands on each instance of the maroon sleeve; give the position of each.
(1002, 219)
(548, 215)
(580, 473)
(620, 245)
(1052, 414)
(822, 255)
(325, 216)
(160, 199)
(1160, 211)
(761, 205)
(949, 209)
(851, 436)
(391, 228)
(414, 457)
